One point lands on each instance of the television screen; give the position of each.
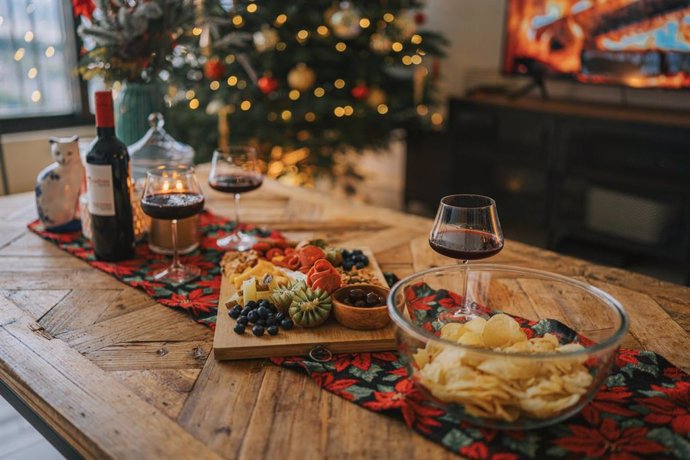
(639, 43)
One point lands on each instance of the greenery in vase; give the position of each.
(313, 75)
(133, 40)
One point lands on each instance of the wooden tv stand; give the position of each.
(613, 176)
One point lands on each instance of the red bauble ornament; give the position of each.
(214, 69)
(419, 18)
(83, 8)
(361, 91)
(267, 84)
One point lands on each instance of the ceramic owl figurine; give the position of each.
(58, 186)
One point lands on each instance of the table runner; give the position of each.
(643, 410)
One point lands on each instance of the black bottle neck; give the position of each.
(107, 131)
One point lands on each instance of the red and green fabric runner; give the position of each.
(642, 411)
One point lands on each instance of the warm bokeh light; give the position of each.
(50, 52)
(322, 30)
(237, 20)
(194, 104)
(389, 17)
(232, 80)
(382, 109)
(190, 94)
(286, 115)
(245, 105)
(36, 96)
(339, 112)
(32, 73)
(397, 47)
(293, 95)
(339, 83)
(251, 8)
(310, 116)
(364, 23)
(340, 46)
(280, 19)
(319, 92)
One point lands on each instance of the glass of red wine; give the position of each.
(235, 169)
(466, 228)
(173, 193)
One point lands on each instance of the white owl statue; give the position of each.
(58, 186)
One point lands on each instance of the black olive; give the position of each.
(287, 324)
(243, 320)
(357, 294)
(373, 299)
(245, 311)
(258, 330)
(280, 316)
(239, 328)
(272, 330)
(251, 304)
(360, 303)
(253, 316)
(263, 312)
(235, 312)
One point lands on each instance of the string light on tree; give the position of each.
(306, 76)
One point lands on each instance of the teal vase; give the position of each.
(133, 105)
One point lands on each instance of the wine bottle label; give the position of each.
(99, 185)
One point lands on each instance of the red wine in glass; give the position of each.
(467, 244)
(170, 206)
(235, 169)
(173, 193)
(235, 183)
(466, 228)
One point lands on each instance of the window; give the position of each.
(37, 59)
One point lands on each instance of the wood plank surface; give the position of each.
(120, 376)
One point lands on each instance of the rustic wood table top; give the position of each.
(117, 375)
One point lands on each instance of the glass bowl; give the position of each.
(498, 374)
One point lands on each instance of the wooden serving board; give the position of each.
(298, 341)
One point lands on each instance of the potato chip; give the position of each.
(502, 387)
(502, 331)
(452, 331)
(471, 339)
(475, 325)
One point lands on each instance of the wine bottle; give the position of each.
(108, 187)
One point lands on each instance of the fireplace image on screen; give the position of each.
(638, 43)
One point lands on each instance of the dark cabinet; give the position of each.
(614, 176)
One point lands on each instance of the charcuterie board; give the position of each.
(330, 337)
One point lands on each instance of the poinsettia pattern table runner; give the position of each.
(643, 410)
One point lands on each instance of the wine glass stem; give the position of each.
(237, 209)
(176, 255)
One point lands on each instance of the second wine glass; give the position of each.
(235, 169)
(466, 228)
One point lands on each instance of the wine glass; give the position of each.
(466, 228)
(235, 169)
(173, 193)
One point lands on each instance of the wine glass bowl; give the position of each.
(235, 169)
(466, 228)
(173, 193)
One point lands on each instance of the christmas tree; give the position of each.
(308, 79)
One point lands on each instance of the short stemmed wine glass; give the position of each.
(466, 228)
(236, 170)
(173, 193)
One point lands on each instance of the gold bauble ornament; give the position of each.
(301, 77)
(265, 39)
(380, 42)
(405, 24)
(345, 21)
(376, 97)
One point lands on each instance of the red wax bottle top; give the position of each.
(104, 109)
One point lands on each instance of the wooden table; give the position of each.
(117, 375)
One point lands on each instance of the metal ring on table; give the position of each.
(320, 354)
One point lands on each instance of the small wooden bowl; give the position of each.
(362, 318)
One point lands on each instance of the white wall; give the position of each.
(475, 30)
